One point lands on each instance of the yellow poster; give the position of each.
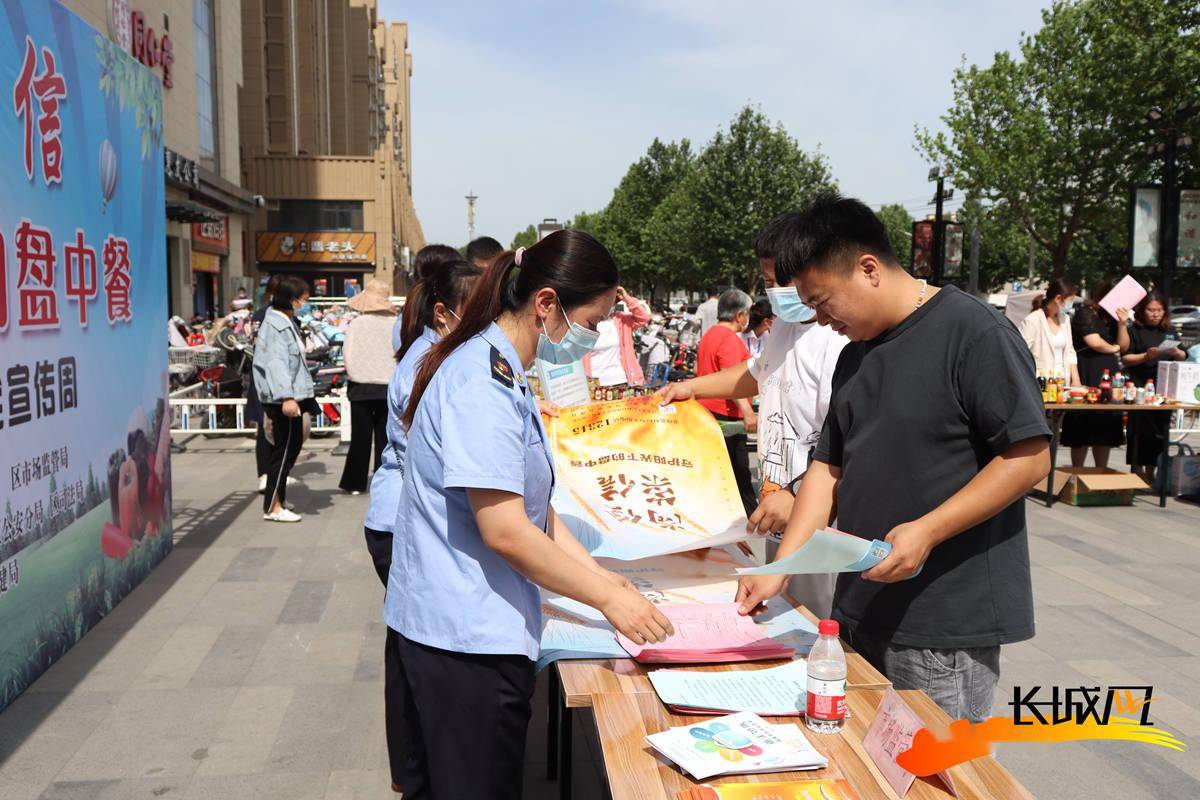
(636, 479)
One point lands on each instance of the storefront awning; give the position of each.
(187, 211)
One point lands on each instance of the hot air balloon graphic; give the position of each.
(108, 173)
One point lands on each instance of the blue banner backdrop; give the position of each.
(84, 434)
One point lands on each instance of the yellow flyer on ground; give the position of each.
(636, 479)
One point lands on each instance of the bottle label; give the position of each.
(826, 699)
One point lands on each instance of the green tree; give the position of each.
(898, 222)
(706, 228)
(623, 226)
(1057, 136)
(525, 238)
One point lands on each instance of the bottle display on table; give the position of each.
(826, 708)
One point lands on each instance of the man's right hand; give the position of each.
(635, 616)
(675, 392)
(754, 590)
(772, 513)
(290, 408)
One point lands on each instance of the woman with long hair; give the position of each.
(1047, 331)
(437, 304)
(429, 260)
(1151, 326)
(480, 534)
(1098, 340)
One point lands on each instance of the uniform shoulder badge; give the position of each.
(501, 370)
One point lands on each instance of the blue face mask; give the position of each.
(304, 310)
(785, 302)
(576, 343)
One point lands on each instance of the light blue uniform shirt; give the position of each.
(396, 338)
(389, 478)
(477, 426)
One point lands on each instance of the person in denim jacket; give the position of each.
(283, 382)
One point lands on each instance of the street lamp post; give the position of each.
(939, 234)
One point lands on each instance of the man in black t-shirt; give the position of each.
(935, 432)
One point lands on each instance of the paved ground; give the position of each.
(249, 664)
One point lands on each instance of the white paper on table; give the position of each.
(775, 692)
(574, 630)
(827, 551)
(567, 637)
(1126, 294)
(735, 745)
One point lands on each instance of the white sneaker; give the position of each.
(282, 515)
(262, 482)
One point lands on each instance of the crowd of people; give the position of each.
(882, 405)
(1083, 346)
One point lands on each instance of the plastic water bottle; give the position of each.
(826, 711)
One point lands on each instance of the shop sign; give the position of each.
(1189, 229)
(205, 262)
(180, 169)
(152, 50)
(318, 248)
(211, 237)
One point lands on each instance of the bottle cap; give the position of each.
(828, 627)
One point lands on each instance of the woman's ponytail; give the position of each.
(412, 318)
(483, 306)
(572, 263)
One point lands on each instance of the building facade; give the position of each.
(195, 48)
(325, 135)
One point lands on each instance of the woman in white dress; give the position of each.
(1047, 331)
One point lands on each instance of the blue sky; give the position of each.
(540, 107)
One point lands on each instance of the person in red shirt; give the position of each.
(722, 347)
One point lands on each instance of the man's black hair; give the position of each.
(484, 249)
(768, 238)
(829, 234)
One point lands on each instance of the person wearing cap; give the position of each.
(369, 362)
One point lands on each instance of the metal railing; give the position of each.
(192, 415)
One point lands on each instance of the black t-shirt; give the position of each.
(915, 414)
(1092, 363)
(1141, 339)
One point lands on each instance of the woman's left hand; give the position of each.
(1123, 315)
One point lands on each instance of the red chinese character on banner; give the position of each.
(3, 286)
(38, 304)
(48, 88)
(81, 274)
(118, 282)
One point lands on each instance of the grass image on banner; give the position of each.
(636, 479)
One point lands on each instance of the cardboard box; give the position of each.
(1179, 380)
(1092, 486)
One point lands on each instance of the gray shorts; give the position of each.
(961, 681)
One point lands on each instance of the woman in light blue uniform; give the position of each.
(479, 532)
(433, 308)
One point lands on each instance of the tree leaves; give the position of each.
(682, 220)
(1057, 137)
